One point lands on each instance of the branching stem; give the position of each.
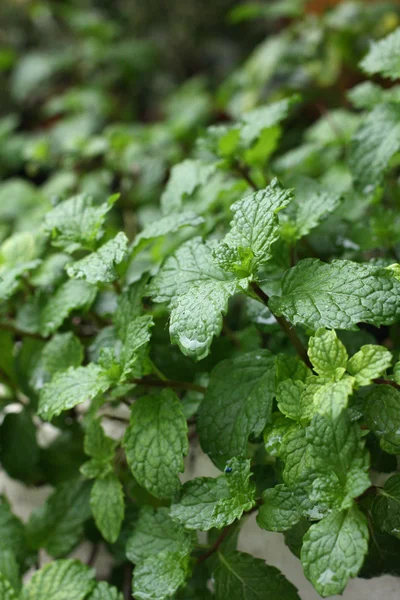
(285, 326)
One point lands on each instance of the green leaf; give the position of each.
(76, 223)
(12, 531)
(386, 506)
(70, 296)
(384, 57)
(103, 591)
(10, 278)
(160, 576)
(185, 177)
(19, 450)
(290, 398)
(164, 226)
(283, 507)
(295, 451)
(99, 267)
(57, 525)
(108, 507)
(62, 351)
(312, 204)
(60, 580)
(97, 444)
(136, 336)
(327, 354)
(255, 225)
(240, 576)
(337, 295)
(155, 442)
(332, 397)
(333, 550)
(191, 264)
(196, 316)
(71, 387)
(369, 363)
(382, 413)
(374, 143)
(207, 502)
(9, 569)
(255, 121)
(238, 402)
(6, 590)
(156, 532)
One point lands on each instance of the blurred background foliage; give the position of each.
(104, 97)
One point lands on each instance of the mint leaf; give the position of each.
(76, 223)
(337, 295)
(295, 451)
(382, 413)
(57, 525)
(283, 507)
(369, 363)
(332, 397)
(386, 506)
(196, 317)
(62, 351)
(311, 205)
(191, 264)
(333, 550)
(384, 57)
(11, 278)
(60, 580)
(99, 267)
(155, 532)
(238, 402)
(160, 576)
(163, 226)
(97, 444)
(327, 354)
(185, 177)
(9, 569)
(255, 224)
(155, 442)
(240, 576)
(108, 507)
(207, 502)
(70, 296)
(71, 387)
(373, 145)
(6, 590)
(12, 531)
(103, 591)
(257, 120)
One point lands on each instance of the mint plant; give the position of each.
(223, 279)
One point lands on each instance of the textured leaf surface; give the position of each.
(71, 295)
(71, 387)
(196, 316)
(255, 121)
(103, 591)
(283, 507)
(155, 531)
(57, 525)
(373, 145)
(369, 363)
(333, 550)
(238, 402)
(77, 223)
(382, 412)
(163, 226)
(338, 295)
(108, 507)
(64, 350)
(6, 590)
(255, 224)
(60, 580)
(207, 502)
(155, 443)
(185, 177)
(99, 267)
(240, 576)
(160, 576)
(386, 506)
(327, 354)
(384, 57)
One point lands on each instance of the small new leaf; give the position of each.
(107, 503)
(99, 267)
(369, 363)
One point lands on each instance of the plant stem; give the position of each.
(387, 382)
(244, 173)
(127, 583)
(170, 383)
(285, 326)
(216, 544)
